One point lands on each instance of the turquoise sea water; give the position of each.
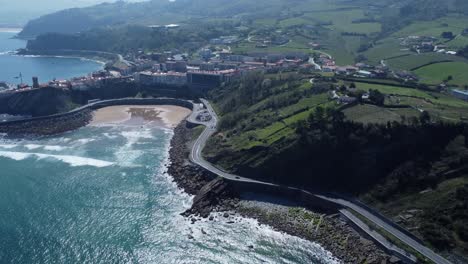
(46, 68)
(102, 195)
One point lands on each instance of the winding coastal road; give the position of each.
(346, 205)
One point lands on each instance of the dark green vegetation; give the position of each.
(132, 37)
(437, 208)
(46, 101)
(283, 129)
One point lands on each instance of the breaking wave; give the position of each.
(73, 161)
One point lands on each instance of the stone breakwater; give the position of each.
(213, 194)
(48, 126)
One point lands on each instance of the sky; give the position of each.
(18, 12)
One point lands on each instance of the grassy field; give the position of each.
(297, 43)
(266, 22)
(384, 49)
(342, 20)
(454, 23)
(294, 22)
(437, 73)
(284, 127)
(414, 61)
(374, 114)
(458, 42)
(440, 106)
(387, 89)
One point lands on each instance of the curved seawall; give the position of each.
(59, 123)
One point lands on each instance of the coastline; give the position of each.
(214, 195)
(84, 58)
(96, 56)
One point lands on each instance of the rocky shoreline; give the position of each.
(213, 194)
(50, 126)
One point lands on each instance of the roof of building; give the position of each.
(460, 92)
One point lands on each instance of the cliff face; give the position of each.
(38, 102)
(49, 100)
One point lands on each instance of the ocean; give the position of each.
(102, 194)
(46, 68)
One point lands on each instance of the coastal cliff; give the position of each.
(212, 194)
(36, 102)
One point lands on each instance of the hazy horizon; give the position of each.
(20, 12)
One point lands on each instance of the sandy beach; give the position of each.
(168, 116)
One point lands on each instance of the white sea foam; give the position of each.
(54, 148)
(109, 136)
(7, 52)
(8, 146)
(127, 155)
(131, 135)
(83, 141)
(14, 155)
(73, 161)
(32, 146)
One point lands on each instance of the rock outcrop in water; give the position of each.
(216, 195)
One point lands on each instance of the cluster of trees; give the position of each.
(463, 52)
(446, 220)
(448, 35)
(376, 97)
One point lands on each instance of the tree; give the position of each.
(424, 118)
(376, 97)
(447, 35)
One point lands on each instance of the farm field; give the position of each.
(284, 127)
(412, 62)
(453, 23)
(385, 49)
(458, 42)
(437, 73)
(440, 105)
(373, 114)
(342, 20)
